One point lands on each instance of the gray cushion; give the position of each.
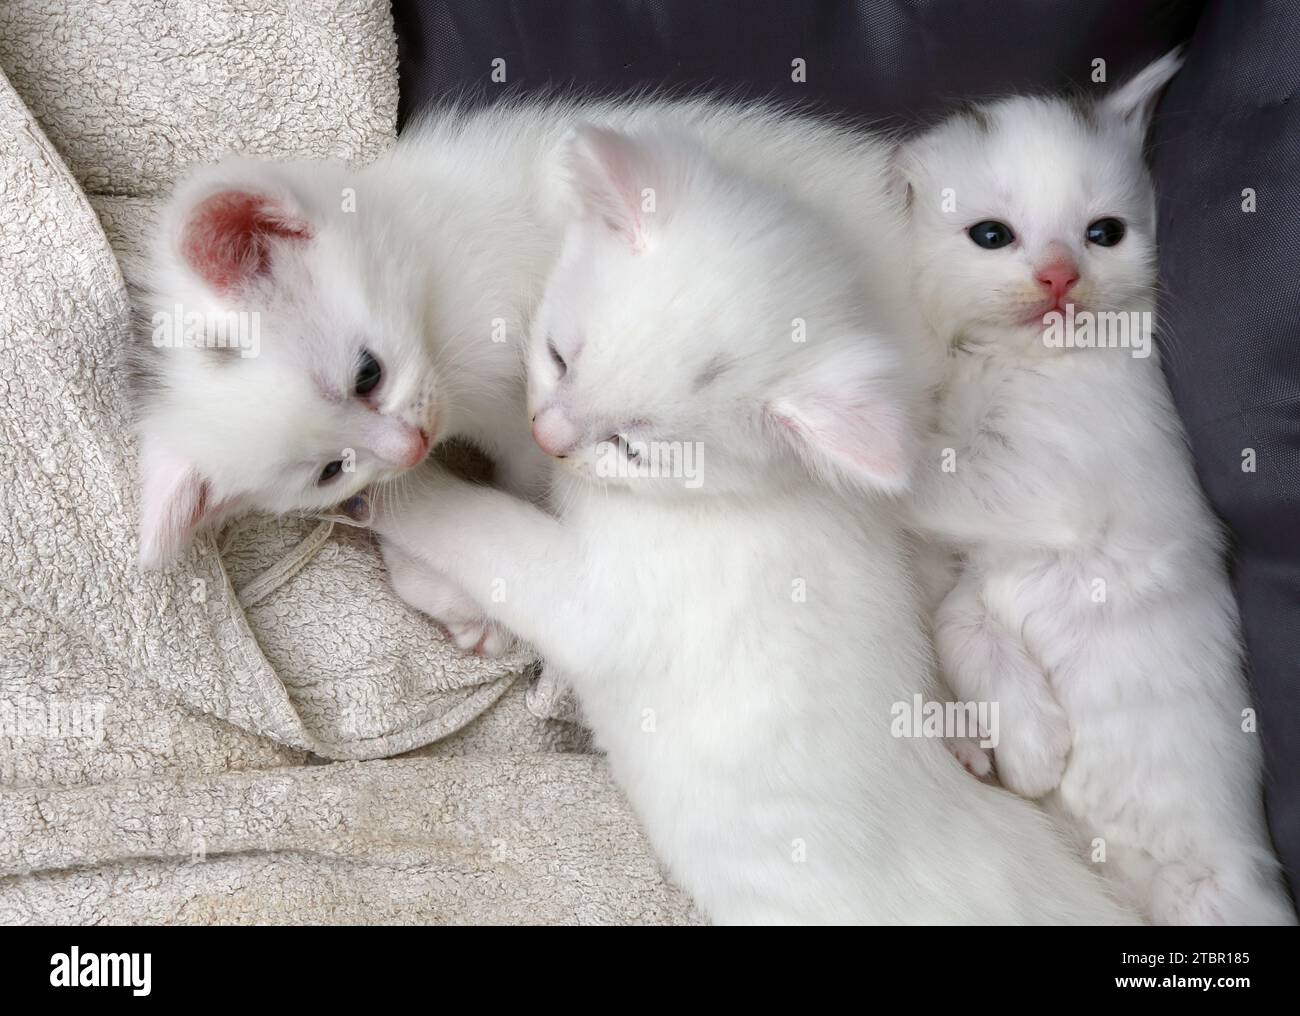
(1230, 335)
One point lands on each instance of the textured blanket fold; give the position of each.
(477, 838)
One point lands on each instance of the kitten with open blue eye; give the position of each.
(729, 407)
(312, 331)
(1091, 600)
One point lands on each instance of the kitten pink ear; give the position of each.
(227, 237)
(849, 422)
(1136, 99)
(175, 503)
(611, 176)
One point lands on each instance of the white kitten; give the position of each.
(1092, 602)
(736, 616)
(295, 354)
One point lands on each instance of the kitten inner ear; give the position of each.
(176, 502)
(1136, 99)
(848, 426)
(227, 238)
(900, 175)
(611, 177)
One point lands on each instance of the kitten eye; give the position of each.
(1106, 232)
(331, 470)
(625, 446)
(368, 374)
(991, 235)
(557, 358)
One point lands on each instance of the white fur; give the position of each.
(1072, 479)
(749, 727)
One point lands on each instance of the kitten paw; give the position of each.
(984, 662)
(1033, 749)
(976, 760)
(1186, 894)
(479, 636)
(1195, 894)
(434, 594)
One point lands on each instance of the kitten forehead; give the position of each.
(1047, 159)
(1073, 128)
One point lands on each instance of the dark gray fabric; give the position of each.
(891, 60)
(1230, 335)
(1231, 119)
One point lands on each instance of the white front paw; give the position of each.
(443, 600)
(478, 635)
(1033, 747)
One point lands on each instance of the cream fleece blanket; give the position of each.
(161, 734)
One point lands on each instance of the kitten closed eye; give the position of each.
(560, 365)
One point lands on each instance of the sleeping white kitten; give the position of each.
(1092, 602)
(739, 631)
(391, 303)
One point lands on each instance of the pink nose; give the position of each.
(417, 449)
(554, 434)
(1058, 277)
(394, 442)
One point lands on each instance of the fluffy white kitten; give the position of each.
(391, 303)
(1092, 602)
(738, 644)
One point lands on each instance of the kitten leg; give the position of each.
(525, 470)
(1238, 888)
(438, 596)
(983, 662)
(1190, 894)
(513, 558)
(1130, 868)
(936, 572)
